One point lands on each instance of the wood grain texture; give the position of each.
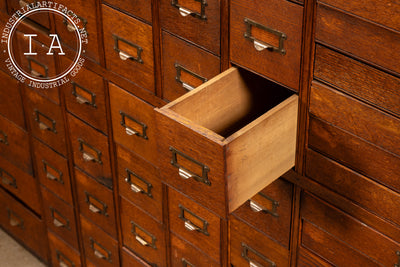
(41, 18)
(67, 253)
(138, 8)
(130, 259)
(308, 259)
(11, 100)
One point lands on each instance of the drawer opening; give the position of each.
(236, 98)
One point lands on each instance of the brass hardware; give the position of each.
(185, 11)
(124, 55)
(140, 239)
(80, 98)
(129, 130)
(93, 207)
(252, 263)
(15, 219)
(8, 179)
(257, 207)
(57, 217)
(134, 187)
(51, 176)
(260, 45)
(86, 155)
(63, 260)
(4, 138)
(35, 72)
(22, 3)
(179, 69)
(71, 28)
(186, 174)
(97, 253)
(40, 117)
(398, 262)
(190, 225)
(185, 263)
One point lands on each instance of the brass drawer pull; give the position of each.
(4, 138)
(135, 187)
(184, 173)
(142, 240)
(186, 11)
(15, 219)
(191, 226)
(398, 262)
(34, 64)
(252, 263)
(84, 146)
(45, 123)
(99, 251)
(50, 170)
(179, 68)
(129, 122)
(8, 179)
(59, 220)
(71, 28)
(256, 207)
(22, 3)
(186, 263)
(82, 95)
(123, 55)
(260, 45)
(63, 260)
(94, 204)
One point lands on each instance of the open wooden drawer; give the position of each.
(225, 141)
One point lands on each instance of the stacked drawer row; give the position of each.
(353, 137)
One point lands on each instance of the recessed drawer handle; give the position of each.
(71, 28)
(130, 175)
(4, 138)
(83, 95)
(96, 247)
(245, 252)
(63, 260)
(94, 204)
(33, 64)
(129, 122)
(50, 172)
(201, 14)
(185, 216)
(123, 55)
(8, 179)
(58, 219)
(180, 69)
(260, 45)
(14, 219)
(256, 207)
(136, 230)
(45, 122)
(184, 173)
(84, 146)
(186, 263)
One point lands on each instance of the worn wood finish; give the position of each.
(147, 230)
(96, 203)
(203, 32)
(279, 15)
(61, 252)
(150, 199)
(121, 25)
(138, 8)
(357, 78)
(308, 259)
(40, 18)
(130, 259)
(274, 220)
(11, 104)
(176, 51)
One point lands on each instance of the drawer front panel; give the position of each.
(130, 56)
(40, 18)
(354, 36)
(133, 123)
(268, 31)
(270, 211)
(60, 217)
(142, 234)
(357, 78)
(139, 182)
(130, 259)
(11, 104)
(91, 151)
(308, 259)
(23, 224)
(46, 121)
(100, 248)
(185, 66)
(194, 223)
(53, 171)
(341, 239)
(250, 247)
(96, 202)
(14, 145)
(61, 253)
(139, 8)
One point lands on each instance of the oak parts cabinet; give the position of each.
(128, 165)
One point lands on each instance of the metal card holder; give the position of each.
(124, 55)
(8, 179)
(179, 68)
(4, 138)
(40, 117)
(186, 263)
(15, 219)
(80, 98)
(87, 156)
(51, 176)
(185, 12)
(35, 72)
(398, 262)
(189, 225)
(63, 260)
(260, 45)
(252, 263)
(93, 207)
(140, 239)
(257, 207)
(185, 173)
(71, 28)
(129, 130)
(134, 187)
(55, 214)
(97, 253)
